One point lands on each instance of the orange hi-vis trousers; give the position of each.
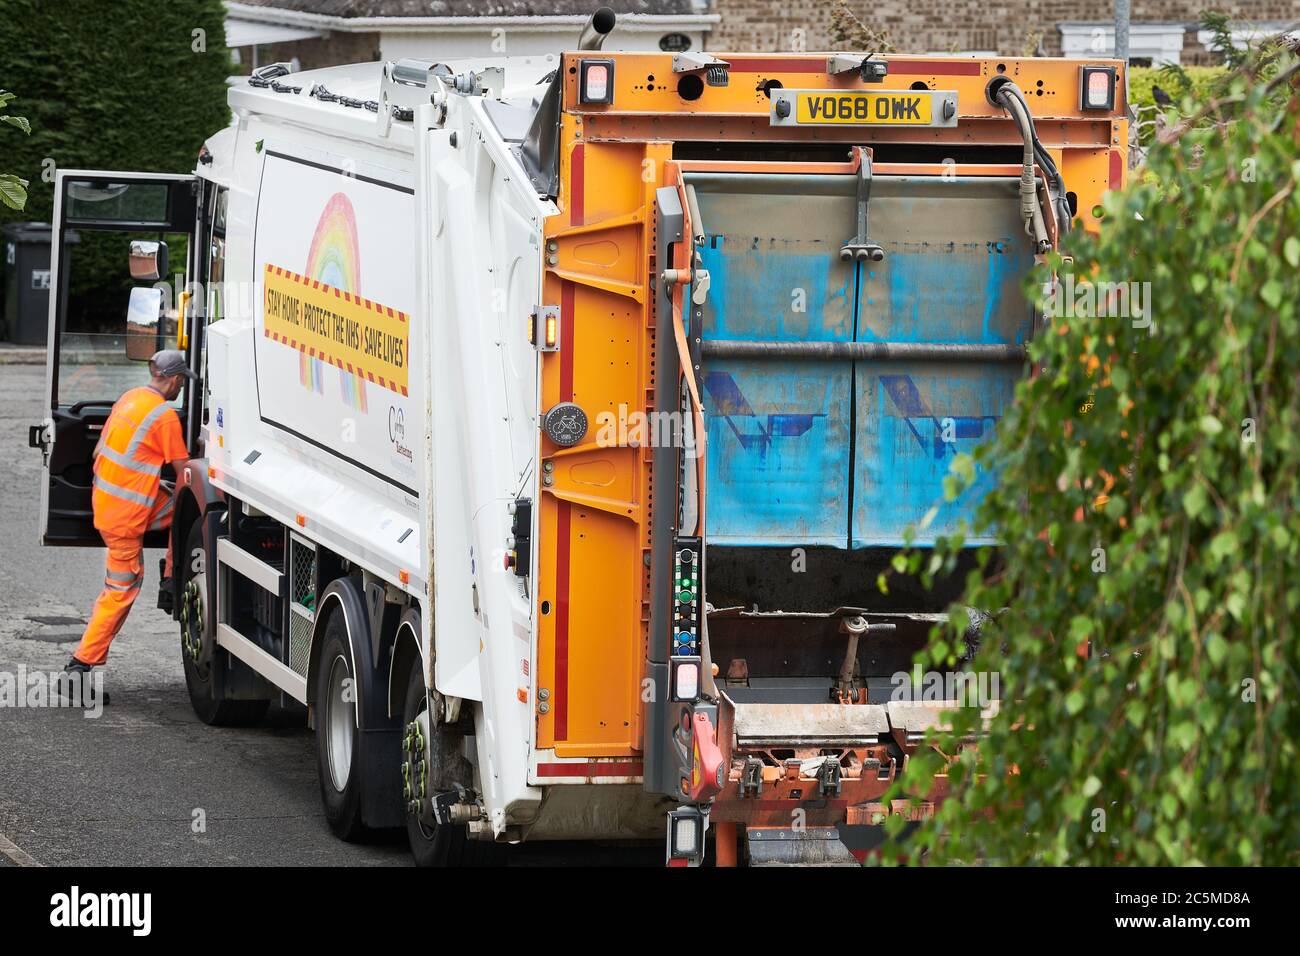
(123, 577)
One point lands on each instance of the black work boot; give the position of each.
(166, 599)
(80, 671)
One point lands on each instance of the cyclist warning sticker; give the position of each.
(342, 329)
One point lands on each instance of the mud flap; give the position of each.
(862, 839)
(381, 734)
(381, 797)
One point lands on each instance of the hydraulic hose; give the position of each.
(1056, 186)
(1028, 187)
(1004, 93)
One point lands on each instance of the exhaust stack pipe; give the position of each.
(597, 28)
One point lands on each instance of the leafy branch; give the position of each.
(1140, 611)
(13, 189)
(848, 31)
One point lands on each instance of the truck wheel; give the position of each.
(205, 695)
(436, 844)
(337, 738)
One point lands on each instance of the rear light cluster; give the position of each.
(686, 620)
(1097, 88)
(544, 328)
(686, 587)
(596, 81)
(686, 679)
(686, 826)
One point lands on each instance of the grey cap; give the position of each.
(171, 362)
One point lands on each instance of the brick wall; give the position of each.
(330, 50)
(926, 26)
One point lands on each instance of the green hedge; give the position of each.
(109, 86)
(1197, 81)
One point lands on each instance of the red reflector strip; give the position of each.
(578, 185)
(934, 67)
(566, 333)
(592, 768)
(744, 64)
(741, 64)
(561, 703)
(1116, 169)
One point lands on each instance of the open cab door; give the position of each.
(105, 324)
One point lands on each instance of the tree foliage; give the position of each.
(131, 85)
(849, 32)
(1144, 607)
(13, 189)
(1189, 87)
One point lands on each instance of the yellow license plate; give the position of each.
(864, 109)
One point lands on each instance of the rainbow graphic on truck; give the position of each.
(334, 261)
(335, 256)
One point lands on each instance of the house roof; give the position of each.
(476, 8)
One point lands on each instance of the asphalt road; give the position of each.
(126, 788)
(131, 786)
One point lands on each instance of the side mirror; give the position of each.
(148, 260)
(143, 314)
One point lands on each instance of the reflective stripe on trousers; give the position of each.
(123, 576)
(122, 580)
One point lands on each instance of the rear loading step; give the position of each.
(806, 846)
(802, 725)
(809, 766)
(797, 726)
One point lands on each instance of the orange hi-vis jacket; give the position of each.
(142, 433)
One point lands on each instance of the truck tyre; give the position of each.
(439, 845)
(338, 740)
(200, 680)
(442, 845)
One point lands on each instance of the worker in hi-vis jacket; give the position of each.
(142, 433)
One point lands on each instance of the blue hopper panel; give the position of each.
(778, 432)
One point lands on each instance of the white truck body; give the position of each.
(409, 223)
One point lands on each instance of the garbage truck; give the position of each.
(555, 416)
